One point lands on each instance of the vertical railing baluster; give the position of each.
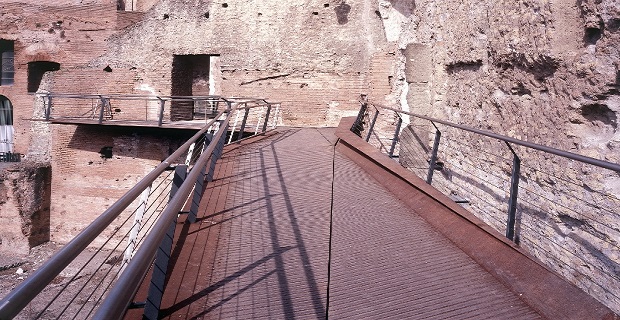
(232, 131)
(267, 117)
(199, 186)
(158, 278)
(358, 125)
(243, 122)
(433, 162)
(162, 105)
(190, 153)
(102, 99)
(514, 191)
(276, 115)
(219, 150)
(135, 228)
(396, 134)
(260, 119)
(372, 125)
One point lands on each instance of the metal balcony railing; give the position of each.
(560, 206)
(98, 273)
(158, 110)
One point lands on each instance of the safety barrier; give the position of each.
(158, 110)
(560, 206)
(98, 273)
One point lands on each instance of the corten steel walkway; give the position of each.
(261, 247)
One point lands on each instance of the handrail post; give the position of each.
(357, 125)
(267, 114)
(514, 191)
(431, 168)
(200, 183)
(395, 140)
(162, 105)
(243, 122)
(101, 109)
(372, 125)
(48, 106)
(158, 279)
(136, 227)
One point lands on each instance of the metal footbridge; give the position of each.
(302, 223)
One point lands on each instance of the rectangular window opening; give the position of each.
(7, 76)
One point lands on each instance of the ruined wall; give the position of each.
(52, 31)
(26, 186)
(313, 57)
(541, 71)
(70, 33)
(94, 166)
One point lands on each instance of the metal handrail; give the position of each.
(17, 299)
(154, 97)
(119, 298)
(561, 153)
(539, 200)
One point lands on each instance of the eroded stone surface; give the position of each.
(25, 204)
(541, 71)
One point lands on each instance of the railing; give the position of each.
(98, 273)
(158, 110)
(560, 206)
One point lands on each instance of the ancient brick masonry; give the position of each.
(543, 71)
(314, 58)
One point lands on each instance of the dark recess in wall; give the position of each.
(600, 112)
(106, 152)
(342, 13)
(173, 137)
(592, 35)
(190, 73)
(36, 70)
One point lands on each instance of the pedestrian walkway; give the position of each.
(261, 248)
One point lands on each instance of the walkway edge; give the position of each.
(542, 289)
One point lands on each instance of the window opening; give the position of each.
(8, 69)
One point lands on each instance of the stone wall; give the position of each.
(27, 187)
(315, 58)
(70, 33)
(64, 32)
(541, 71)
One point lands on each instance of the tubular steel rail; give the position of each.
(540, 201)
(128, 107)
(149, 238)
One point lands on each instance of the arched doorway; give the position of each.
(6, 125)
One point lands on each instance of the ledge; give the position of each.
(542, 289)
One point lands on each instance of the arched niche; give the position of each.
(6, 125)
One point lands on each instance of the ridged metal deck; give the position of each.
(261, 248)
